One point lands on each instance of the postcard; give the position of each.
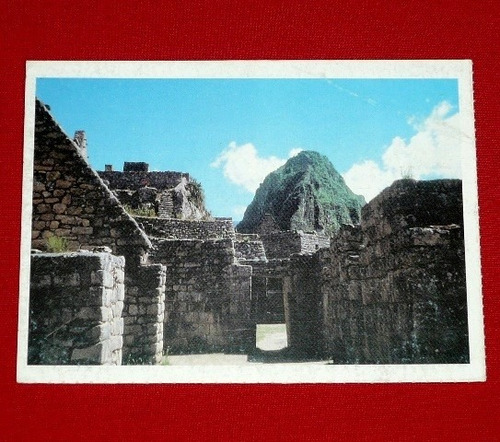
(250, 222)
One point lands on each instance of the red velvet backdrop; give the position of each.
(175, 30)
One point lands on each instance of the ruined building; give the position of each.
(162, 194)
(142, 269)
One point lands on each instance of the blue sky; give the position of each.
(228, 134)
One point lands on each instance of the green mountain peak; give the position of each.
(306, 193)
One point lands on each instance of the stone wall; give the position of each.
(250, 251)
(143, 198)
(208, 297)
(220, 228)
(394, 288)
(134, 180)
(303, 306)
(70, 201)
(281, 244)
(312, 242)
(144, 315)
(76, 303)
(284, 244)
(132, 166)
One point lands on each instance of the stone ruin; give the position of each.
(128, 288)
(162, 194)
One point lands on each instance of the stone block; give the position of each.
(133, 330)
(115, 343)
(146, 300)
(117, 326)
(66, 200)
(128, 340)
(108, 296)
(69, 280)
(78, 230)
(40, 281)
(117, 308)
(131, 290)
(42, 208)
(102, 277)
(119, 276)
(94, 354)
(152, 310)
(90, 313)
(66, 219)
(63, 184)
(129, 320)
(106, 314)
(116, 357)
(39, 225)
(59, 208)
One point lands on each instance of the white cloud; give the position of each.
(243, 166)
(367, 179)
(434, 151)
(294, 152)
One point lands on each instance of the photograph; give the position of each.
(249, 222)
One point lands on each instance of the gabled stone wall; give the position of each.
(312, 242)
(70, 200)
(76, 303)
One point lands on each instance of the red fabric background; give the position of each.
(148, 30)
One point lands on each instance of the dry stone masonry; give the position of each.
(208, 297)
(76, 304)
(220, 228)
(70, 200)
(144, 315)
(72, 204)
(394, 287)
(285, 244)
(249, 248)
(136, 176)
(162, 194)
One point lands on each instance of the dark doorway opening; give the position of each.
(268, 305)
